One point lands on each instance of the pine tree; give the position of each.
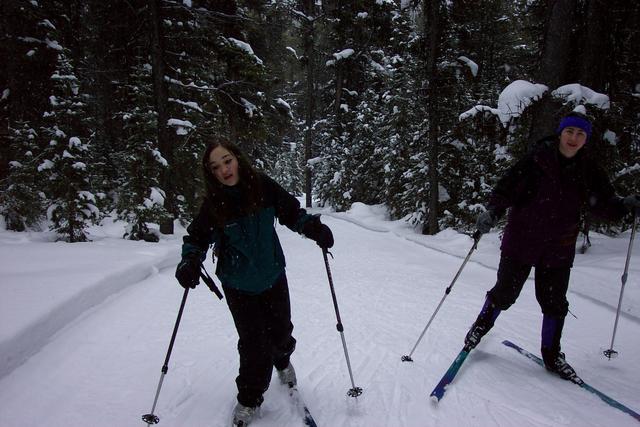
(65, 157)
(352, 146)
(401, 123)
(21, 200)
(29, 61)
(140, 199)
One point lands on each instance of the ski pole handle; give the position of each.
(333, 293)
(209, 282)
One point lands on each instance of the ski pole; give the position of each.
(209, 282)
(150, 418)
(611, 353)
(354, 391)
(476, 238)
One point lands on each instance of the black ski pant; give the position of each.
(264, 327)
(551, 286)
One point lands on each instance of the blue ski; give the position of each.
(610, 401)
(448, 377)
(294, 394)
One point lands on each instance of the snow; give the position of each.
(516, 97)
(628, 170)
(182, 126)
(246, 47)
(46, 23)
(579, 94)
(189, 104)
(84, 330)
(293, 51)
(87, 195)
(249, 107)
(610, 137)
(343, 54)
(53, 44)
(156, 197)
(520, 94)
(512, 101)
(157, 155)
(46, 164)
(471, 64)
(283, 103)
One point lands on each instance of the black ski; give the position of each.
(578, 381)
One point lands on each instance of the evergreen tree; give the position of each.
(111, 39)
(140, 200)
(352, 148)
(485, 52)
(65, 158)
(21, 199)
(402, 123)
(386, 107)
(29, 58)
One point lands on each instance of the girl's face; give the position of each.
(571, 141)
(224, 166)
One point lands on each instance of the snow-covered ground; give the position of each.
(84, 330)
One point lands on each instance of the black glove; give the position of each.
(319, 232)
(632, 203)
(485, 222)
(188, 271)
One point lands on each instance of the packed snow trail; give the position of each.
(102, 369)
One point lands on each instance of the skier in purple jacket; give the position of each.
(545, 193)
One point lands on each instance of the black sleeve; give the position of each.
(287, 207)
(201, 232)
(603, 201)
(515, 185)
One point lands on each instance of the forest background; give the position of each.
(106, 106)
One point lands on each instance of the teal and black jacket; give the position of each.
(250, 256)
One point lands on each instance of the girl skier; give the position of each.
(237, 217)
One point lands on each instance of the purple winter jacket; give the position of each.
(545, 193)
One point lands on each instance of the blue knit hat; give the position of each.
(575, 120)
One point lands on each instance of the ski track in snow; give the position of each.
(101, 365)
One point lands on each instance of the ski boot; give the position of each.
(553, 358)
(288, 376)
(482, 325)
(559, 366)
(243, 415)
(475, 334)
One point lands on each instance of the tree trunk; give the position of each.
(309, 54)
(432, 10)
(554, 63)
(162, 107)
(9, 77)
(595, 55)
(101, 76)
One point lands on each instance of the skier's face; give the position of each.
(224, 166)
(572, 139)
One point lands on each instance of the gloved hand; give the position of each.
(319, 232)
(632, 203)
(188, 271)
(486, 221)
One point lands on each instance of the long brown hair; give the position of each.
(249, 184)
